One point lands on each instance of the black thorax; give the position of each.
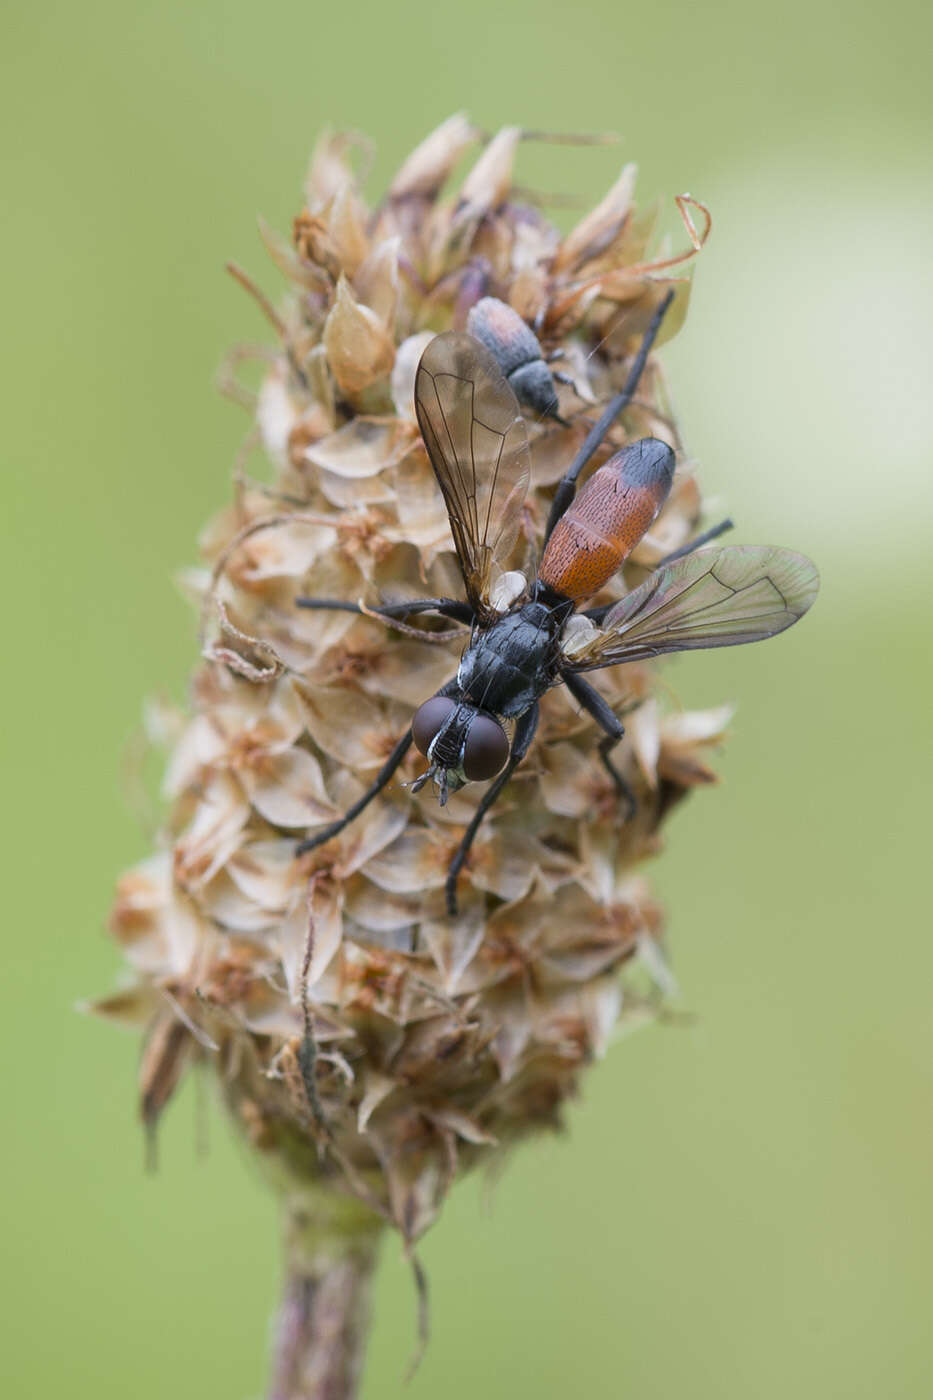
(511, 663)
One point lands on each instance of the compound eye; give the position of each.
(428, 720)
(486, 749)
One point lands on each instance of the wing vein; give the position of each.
(671, 612)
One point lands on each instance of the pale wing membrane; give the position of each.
(714, 598)
(476, 440)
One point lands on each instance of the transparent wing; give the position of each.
(714, 598)
(476, 440)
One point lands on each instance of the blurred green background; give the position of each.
(742, 1206)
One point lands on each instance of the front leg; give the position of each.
(524, 733)
(607, 719)
(389, 768)
(391, 765)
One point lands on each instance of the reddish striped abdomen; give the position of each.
(599, 529)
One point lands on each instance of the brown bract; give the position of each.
(440, 1040)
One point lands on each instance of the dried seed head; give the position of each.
(439, 1040)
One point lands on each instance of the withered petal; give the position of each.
(350, 726)
(359, 348)
(487, 184)
(376, 281)
(594, 233)
(288, 789)
(407, 359)
(430, 163)
(363, 447)
(644, 730)
(346, 224)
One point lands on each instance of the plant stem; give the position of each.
(323, 1319)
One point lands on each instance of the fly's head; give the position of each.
(534, 386)
(461, 743)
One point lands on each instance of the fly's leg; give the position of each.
(550, 358)
(386, 773)
(524, 733)
(607, 719)
(568, 483)
(444, 607)
(712, 533)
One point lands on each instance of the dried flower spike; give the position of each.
(372, 1046)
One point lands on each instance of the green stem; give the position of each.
(331, 1248)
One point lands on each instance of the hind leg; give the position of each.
(607, 719)
(568, 483)
(712, 533)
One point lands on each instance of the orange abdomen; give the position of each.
(599, 529)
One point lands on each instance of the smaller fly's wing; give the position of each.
(475, 437)
(714, 598)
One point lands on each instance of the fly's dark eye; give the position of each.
(428, 719)
(486, 750)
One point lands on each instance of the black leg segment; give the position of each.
(566, 487)
(607, 719)
(712, 533)
(386, 773)
(524, 733)
(444, 607)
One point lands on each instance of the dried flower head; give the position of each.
(433, 1043)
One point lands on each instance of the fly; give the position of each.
(476, 440)
(518, 353)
